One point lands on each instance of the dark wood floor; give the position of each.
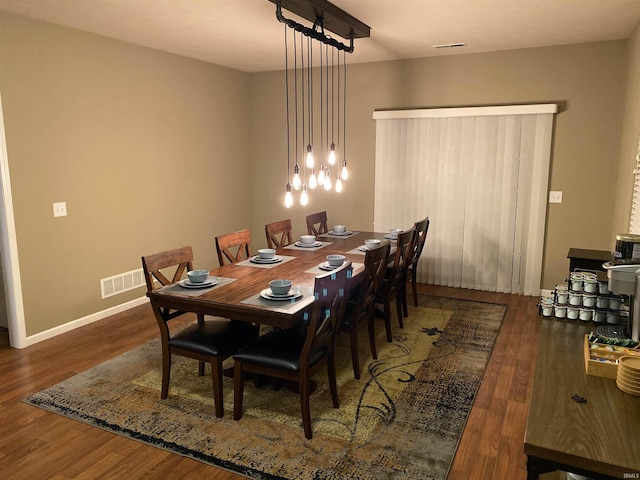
(35, 444)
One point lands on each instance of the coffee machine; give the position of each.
(624, 279)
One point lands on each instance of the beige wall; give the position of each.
(587, 81)
(148, 150)
(153, 151)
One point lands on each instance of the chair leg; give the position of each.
(399, 305)
(333, 384)
(216, 377)
(405, 309)
(304, 407)
(414, 286)
(238, 390)
(372, 337)
(355, 356)
(201, 369)
(166, 373)
(387, 319)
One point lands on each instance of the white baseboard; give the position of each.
(80, 322)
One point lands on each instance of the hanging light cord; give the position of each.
(344, 114)
(295, 90)
(286, 84)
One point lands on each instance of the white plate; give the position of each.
(326, 266)
(363, 248)
(295, 292)
(308, 245)
(267, 261)
(389, 237)
(341, 234)
(209, 282)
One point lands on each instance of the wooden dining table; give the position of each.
(238, 292)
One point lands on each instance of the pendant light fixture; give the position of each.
(323, 15)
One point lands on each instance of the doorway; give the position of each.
(12, 287)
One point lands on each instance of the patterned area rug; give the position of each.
(402, 419)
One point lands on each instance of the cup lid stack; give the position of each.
(628, 376)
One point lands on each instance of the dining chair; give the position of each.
(317, 223)
(295, 354)
(207, 341)
(234, 247)
(362, 308)
(392, 284)
(422, 227)
(278, 234)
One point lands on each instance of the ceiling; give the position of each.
(245, 35)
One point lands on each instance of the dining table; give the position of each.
(240, 289)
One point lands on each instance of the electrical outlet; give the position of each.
(555, 197)
(60, 209)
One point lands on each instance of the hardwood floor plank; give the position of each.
(35, 444)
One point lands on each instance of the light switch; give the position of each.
(555, 197)
(60, 209)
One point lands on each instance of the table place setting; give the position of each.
(393, 234)
(198, 283)
(339, 231)
(368, 244)
(307, 242)
(266, 258)
(333, 261)
(282, 296)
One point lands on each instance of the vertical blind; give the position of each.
(481, 176)
(634, 220)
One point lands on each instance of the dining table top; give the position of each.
(239, 288)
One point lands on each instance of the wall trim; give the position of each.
(80, 322)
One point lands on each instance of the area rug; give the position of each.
(402, 419)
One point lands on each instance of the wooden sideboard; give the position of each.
(599, 438)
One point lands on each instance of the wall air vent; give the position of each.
(450, 45)
(122, 283)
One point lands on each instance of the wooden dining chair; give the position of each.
(422, 227)
(362, 308)
(278, 234)
(296, 354)
(317, 223)
(209, 341)
(233, 247)
(392, 285)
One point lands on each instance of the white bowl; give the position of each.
(280, 287)
(335, 260)
(308, 239)
(393, 233)
(198, 276)
(339, 228)
(372, 243)
(266, 253)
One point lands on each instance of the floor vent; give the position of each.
(122, 283)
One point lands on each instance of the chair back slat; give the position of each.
(278, 234)
(317, 223)
(233, 247)
(331, 292)
(180, 258)
(375, 268)
(404, 246)
(422, 227)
